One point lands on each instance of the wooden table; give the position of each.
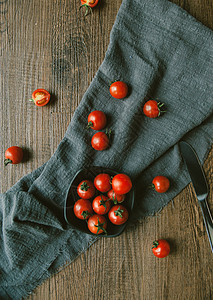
(50, 44)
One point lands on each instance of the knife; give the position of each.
(199, 183)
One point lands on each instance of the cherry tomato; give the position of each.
(40, 97)
(102, 182)
(101, 205)
(118, 214)
(116, 198)
(161, 248)
(100, 141)
(118, 89)
(97, 224)
(83, 209)
(152, 108)
(88, 4)
(161, 184)
(86, 189)
(13, 155)
(121, 184)
(97, 120)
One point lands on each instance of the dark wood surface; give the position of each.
(50, 44)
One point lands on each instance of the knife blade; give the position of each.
(199, 183)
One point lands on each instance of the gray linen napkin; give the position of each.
(161, 52)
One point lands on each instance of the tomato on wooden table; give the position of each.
(83, 209)
(161, 184)
(89, 4)
(121, 184)
(100, 141)
(40, 97)
(118, 89)
(161, 248)
(152, 108)
(86, 189)
(116, 198)
(101, 205)
(13, 155)
(97, 120)
(97, 224)
(118, 214)
(102, 182)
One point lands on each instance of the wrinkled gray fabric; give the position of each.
(161, 52)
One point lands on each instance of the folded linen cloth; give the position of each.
(161, 52)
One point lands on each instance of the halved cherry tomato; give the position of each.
(118, 214)
(161, 248)
(88, 4)
(152, 108)
(101, 205)
(116, 198)
(121, 184)
(100, 141)
(13, 155)
(83, 209)
(161, 184)
(86, 189)
(102, 182)
(40, 97)
(97, 120)
(118, 89)
(97, 224)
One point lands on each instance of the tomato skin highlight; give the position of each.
(102, 182)
(13, 155)
(118, 214)
(83, 209)
(100, 141)
(97, 120)
(121, 184)
(97, 224)
(86, 189)
(161, 184)
(41, 97)
(161, 248)
(101, 205)
(116, 198)
(118, 89)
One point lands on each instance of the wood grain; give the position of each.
(51, 44)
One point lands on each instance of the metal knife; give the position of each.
(199, 183)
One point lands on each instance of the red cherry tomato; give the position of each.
(121, 184)
(101, 205)
(152, 109)
(97, 120)
(161, 248)
(13, 155)
(116, 198)
(118, 89)
(97, 224)
(102, 182)
(40, 97)
(118, 214)
(88, 4)
(100, 141)
(86, 189)
(83, 209)
(161, 184)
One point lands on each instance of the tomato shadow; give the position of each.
(27, 154)
(53, 99)
(173, 245)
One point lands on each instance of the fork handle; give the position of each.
(208, 221)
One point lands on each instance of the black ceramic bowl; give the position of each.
(72, 197)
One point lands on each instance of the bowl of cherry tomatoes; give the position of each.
(99, 201)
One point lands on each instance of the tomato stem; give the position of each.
(89, 125)
(31, 100)
(7, 161)
(155, 244)
(87, 8)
